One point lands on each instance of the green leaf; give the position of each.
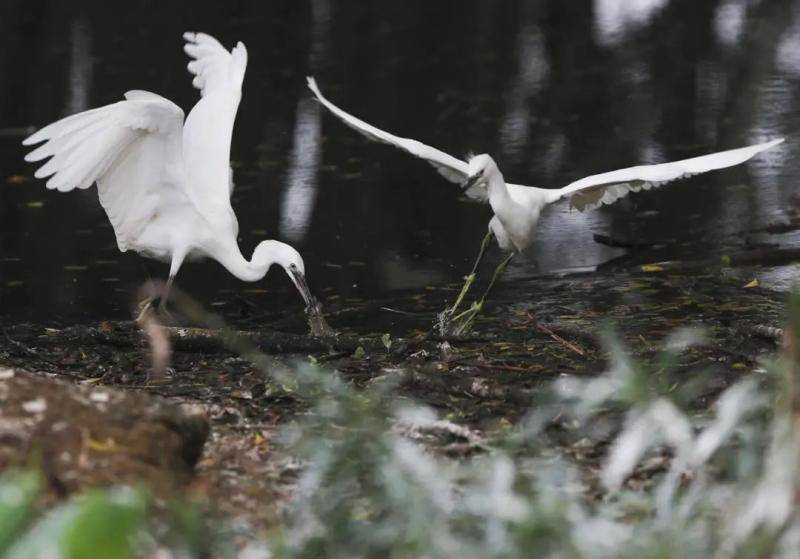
(18, 492)
(105, 525)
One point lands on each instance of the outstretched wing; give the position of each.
(131, 149)
(606, 188)
(218, 74)
(451, 168)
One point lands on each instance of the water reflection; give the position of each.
(616, 18)
(80, 68)
(531, 72)
(300, 196)
(553, 90)
(729, 21)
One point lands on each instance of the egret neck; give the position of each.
(265, 255)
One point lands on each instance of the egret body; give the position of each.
(165, 182)
(517, 208)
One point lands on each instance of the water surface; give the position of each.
(552, 90)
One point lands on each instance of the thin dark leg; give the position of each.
(162, 302)
(468, 280)
(501, 268)
(463, 321)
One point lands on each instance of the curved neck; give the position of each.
(499, 198)
(239, 266)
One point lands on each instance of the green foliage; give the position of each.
(377, 481)
(99, 524)
(18, 492)
(105, 525)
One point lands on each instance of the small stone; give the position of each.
(99, 396)
(6, 374)
(35, 406)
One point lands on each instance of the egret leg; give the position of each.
(468, 280)
(462, 322)
(175, 265)
(162, 302)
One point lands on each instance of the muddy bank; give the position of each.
(95, 435)
(535, 331)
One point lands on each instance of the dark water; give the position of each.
(553, 90)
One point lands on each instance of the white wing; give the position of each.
(209, 126)
(451, 168)
(132, 149)
(606, 188)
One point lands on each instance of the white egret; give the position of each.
(166, 184)
(517, 208)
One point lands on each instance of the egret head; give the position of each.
(268, 253)
(481, 167)
(276, 252)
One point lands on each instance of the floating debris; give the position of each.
(651, 268)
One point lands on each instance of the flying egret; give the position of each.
(517, 208)
(166, 184)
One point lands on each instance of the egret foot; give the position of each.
(462, 323)
(154, 306)
(443, 318)
(144, 307)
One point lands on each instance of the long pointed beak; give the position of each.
(302, 286)
(317, 324)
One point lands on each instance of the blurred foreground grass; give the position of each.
(671, 481)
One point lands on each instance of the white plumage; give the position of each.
(517, 207)
(165, 184)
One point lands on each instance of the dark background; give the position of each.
(553, 90)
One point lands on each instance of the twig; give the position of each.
(556, 337)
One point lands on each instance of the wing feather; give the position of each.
(218, 74)
(606, 188)
(451, 168)
(131, 149)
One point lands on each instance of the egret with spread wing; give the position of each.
(165, 184)
(517, 208)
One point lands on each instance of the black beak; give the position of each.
(470, 182)
(302, 286)
(316, 321)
